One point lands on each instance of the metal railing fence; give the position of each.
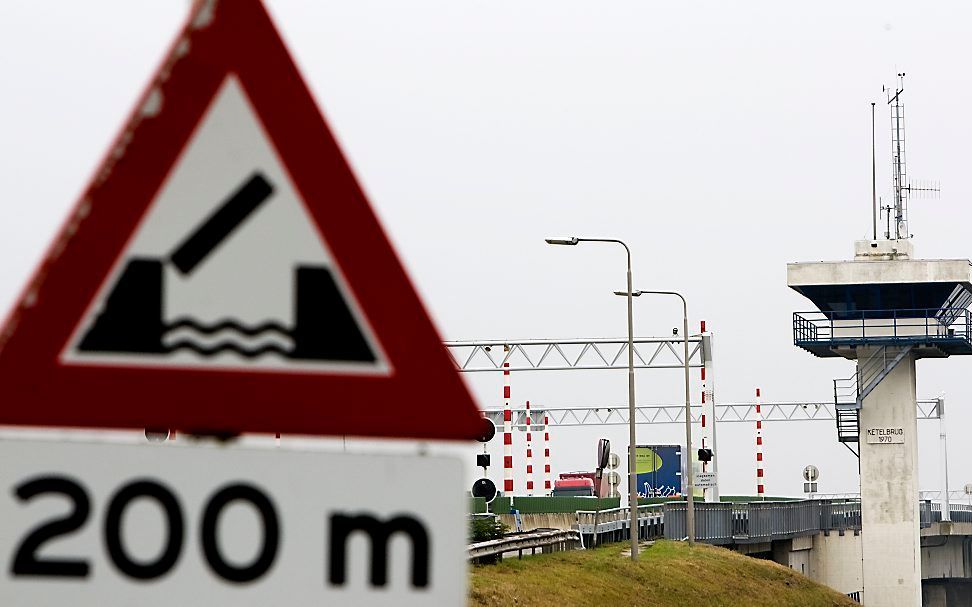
(840, 515)
(741, 523)
(883, 326)
(613, 525)
(782, 520)
(715, 523)
(958, 513)
(727, 523)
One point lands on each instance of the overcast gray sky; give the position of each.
(720, 140)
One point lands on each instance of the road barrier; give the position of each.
(547, 540)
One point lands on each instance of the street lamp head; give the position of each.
(565, 241)
(625, 293)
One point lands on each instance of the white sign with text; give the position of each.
(117, 524)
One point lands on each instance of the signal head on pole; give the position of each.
(487, 432)
(485, 489)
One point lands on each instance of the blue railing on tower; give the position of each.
(900, 326)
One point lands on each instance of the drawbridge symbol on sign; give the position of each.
(132, 320)
(185, 305)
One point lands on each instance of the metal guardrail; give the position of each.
(613, 525)
(715, 523)
(925, 514)
(547, 540)
(840, 515)
(740, 523)
(744, 523)
(958, 513)
(782, 520)
(957, 496)
(860, 327)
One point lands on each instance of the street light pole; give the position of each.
(690, 500)
(632, 441)
(632, 461)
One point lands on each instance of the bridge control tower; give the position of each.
(885, 310)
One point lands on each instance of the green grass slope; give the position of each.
(668, 574)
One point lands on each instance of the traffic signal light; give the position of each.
(488, 431)
(485, 489)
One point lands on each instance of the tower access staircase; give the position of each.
(849, 393)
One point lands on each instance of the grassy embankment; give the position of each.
(668, 574)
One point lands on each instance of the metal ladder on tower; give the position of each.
(849, 393)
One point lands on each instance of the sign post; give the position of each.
(810, 476)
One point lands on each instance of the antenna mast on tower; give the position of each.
(902, 188)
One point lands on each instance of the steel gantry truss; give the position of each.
(603, 415)
(611, 353)
(570, 354)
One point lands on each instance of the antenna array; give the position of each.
(903, 189)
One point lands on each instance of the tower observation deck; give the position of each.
(884, 299)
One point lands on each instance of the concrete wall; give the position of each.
(836, 561)
(794, 553)
(565, 520)
(944, 557)
(947, 593)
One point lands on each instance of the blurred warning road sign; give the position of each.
(224, 271)
(117, 524)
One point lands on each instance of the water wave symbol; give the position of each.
(246, 341)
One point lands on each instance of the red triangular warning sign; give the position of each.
(224, 272)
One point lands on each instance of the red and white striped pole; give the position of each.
(529, 451)
(547, 488)
(760, 482)
(507, 433)
(705, 430)
(709, 418)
